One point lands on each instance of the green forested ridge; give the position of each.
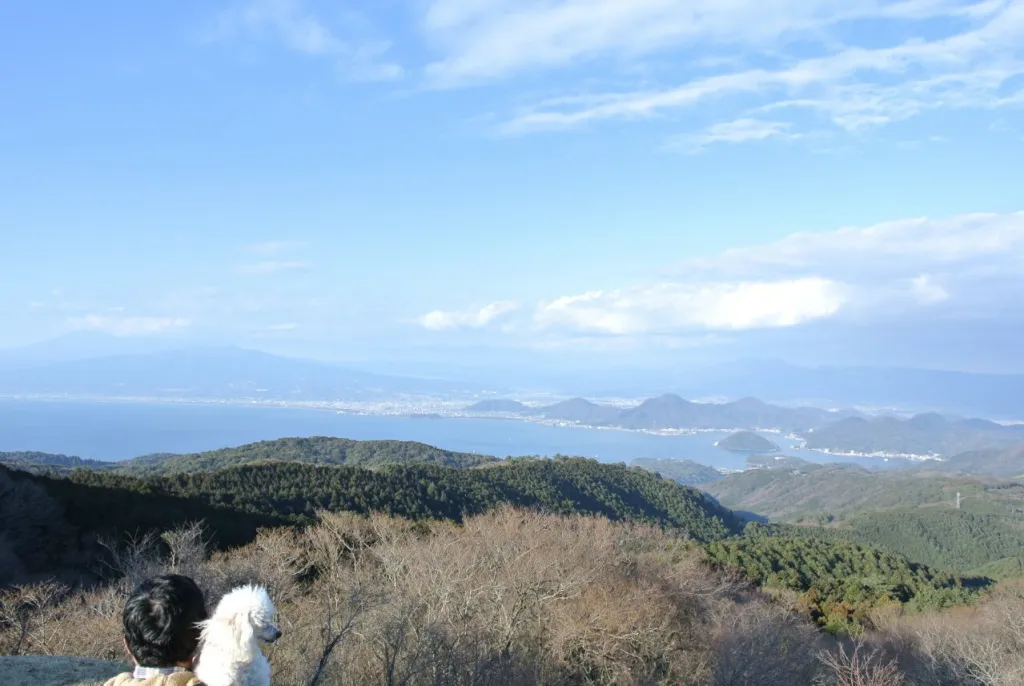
(291, 491)
(841, 491)
(50, 525)
(685, 472)
(992, 463)
(838, 581)
(566, 486)
(950, 539)
(907, 513)
(48, 462)
(312, 450)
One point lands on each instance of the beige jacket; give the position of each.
(179, 679)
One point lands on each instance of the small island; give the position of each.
(498, 405)
(747, 442)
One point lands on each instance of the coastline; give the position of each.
(422, 407)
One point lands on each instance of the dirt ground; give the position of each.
(56, 671)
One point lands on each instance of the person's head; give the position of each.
(160, 621)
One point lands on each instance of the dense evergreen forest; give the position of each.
(313, 450)
(839, 582)
(908, 513)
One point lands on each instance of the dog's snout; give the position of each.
(274, 634)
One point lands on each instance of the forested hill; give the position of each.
(842, 491)
(906, 513)
(314, 450)
(33, 460)
(564, 486)
(46, 522)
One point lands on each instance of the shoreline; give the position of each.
(440, 409)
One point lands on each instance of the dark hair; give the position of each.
(160, 620)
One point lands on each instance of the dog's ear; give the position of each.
(241, 624)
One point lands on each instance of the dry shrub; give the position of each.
(761, 644)
(980, 646)
(861, 665)
(510, 598)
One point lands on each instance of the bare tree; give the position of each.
(862, 666)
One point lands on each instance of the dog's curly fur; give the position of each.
(230, 652)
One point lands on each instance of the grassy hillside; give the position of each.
(314, 450)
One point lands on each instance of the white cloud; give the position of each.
(128, 326)
(439, 320)
(668, 307)
(292, 24)
(738, 131)
(287, 326)
(271, 267)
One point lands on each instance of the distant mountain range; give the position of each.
(989, 395)
(672, 412)
(920, 435)
(210, 373)
(844, 431)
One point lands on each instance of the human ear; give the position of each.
(124, 642)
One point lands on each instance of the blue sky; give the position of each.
(800, 178)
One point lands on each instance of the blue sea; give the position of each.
(118, 430)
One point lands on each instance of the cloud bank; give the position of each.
(958, 266)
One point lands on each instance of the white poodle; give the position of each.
(230, 652)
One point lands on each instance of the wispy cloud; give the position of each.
(476, 318)
(271, 267)
(128, 326)
(496, 38)
(738, 131)
(891, 247)
(976, 64)
(293, 25)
